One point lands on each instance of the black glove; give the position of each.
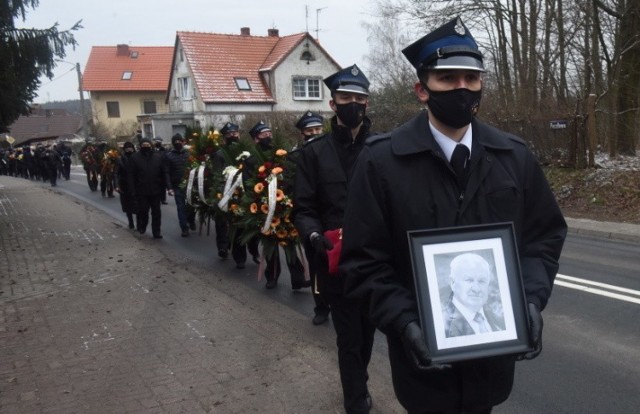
(320, 243)
(416, 349)
(535, 330)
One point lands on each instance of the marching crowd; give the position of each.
(350, 206)
(46, 162)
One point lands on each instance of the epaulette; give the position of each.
(372, 140)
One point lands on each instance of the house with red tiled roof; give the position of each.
(127, 84)
(220, 77)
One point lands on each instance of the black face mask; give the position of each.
(264, 144)
(128, 152)
(311, 136)
(455, 108)
(177, 146)
(351, 114)
(145, 150)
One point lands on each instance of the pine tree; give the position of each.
(25, 55)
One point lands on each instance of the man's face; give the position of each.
(440, 80)
(232, 136)
(311, 131)
(470, 285)
(340, 98)
(145, 145)
(263, 135)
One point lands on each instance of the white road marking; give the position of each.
(602, 289)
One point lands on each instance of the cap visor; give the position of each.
(457, 62)
(353, 89)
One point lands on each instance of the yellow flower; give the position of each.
(219, 195)
(254, 208)
(281, 153)
(258, 188)
(277, 170)
(279, 194)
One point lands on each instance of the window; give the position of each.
(308, 56)
(134, 55)
(113, 109)
(306, 88)
(242, 84)
(184, 88)
(149, 107)
(126, 75)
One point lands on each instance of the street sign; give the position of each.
(558, 124)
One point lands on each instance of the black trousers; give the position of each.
(146, 202)
(273, 268)
(355, 342)
(321, 306)
(239, 251)
(222, 233)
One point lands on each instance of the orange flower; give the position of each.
(277, 170)
(261, 169)
(279, 194)
(253, 208)
(275, 222)
(219, 196)
(264, 208)
(258, 188)
(294, 233)
(233, 207)
(282, 234)
(281, 153)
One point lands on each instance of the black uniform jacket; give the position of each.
(175, 164)
(323, 168)
(147, 173)
(401, 182)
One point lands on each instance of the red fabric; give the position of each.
(335, 237)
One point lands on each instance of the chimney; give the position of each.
(245, 31)
(273, 33)
(123, 50)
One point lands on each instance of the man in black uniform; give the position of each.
(230, 136)
(311, 126)
(421, 176)
(175, 165)
(323, 172)
(147, 181)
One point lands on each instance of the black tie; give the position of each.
(459, 160)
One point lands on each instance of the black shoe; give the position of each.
(223, 253)
(239, 265)
(157, 236)
(192, 226)
(142, 231)
(132, 226)
(256, 259)
(303, 284)
(320, 318)
(185, 233)
(271, 284)
(164, 202)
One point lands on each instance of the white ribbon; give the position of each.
(192, 177)
(271, 198)
(201, 184)
(233, 181)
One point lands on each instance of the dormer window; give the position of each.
(242, 84)
(126, 75)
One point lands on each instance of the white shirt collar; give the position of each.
(470, 316)
(447, 144)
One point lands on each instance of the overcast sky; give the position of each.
(155, 23)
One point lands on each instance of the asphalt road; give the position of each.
(591, 357)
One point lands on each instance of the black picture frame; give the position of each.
(449, 330)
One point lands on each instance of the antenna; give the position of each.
(306, 17)
(317, 18)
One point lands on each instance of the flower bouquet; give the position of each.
(198, 175)
(265, 210)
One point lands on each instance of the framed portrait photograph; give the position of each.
(470, 292)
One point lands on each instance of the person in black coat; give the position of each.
(147, 181)
(311, 126)
(175, 165)
(323, 171)
(408, 180)
(158, 146)
(127, 200)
